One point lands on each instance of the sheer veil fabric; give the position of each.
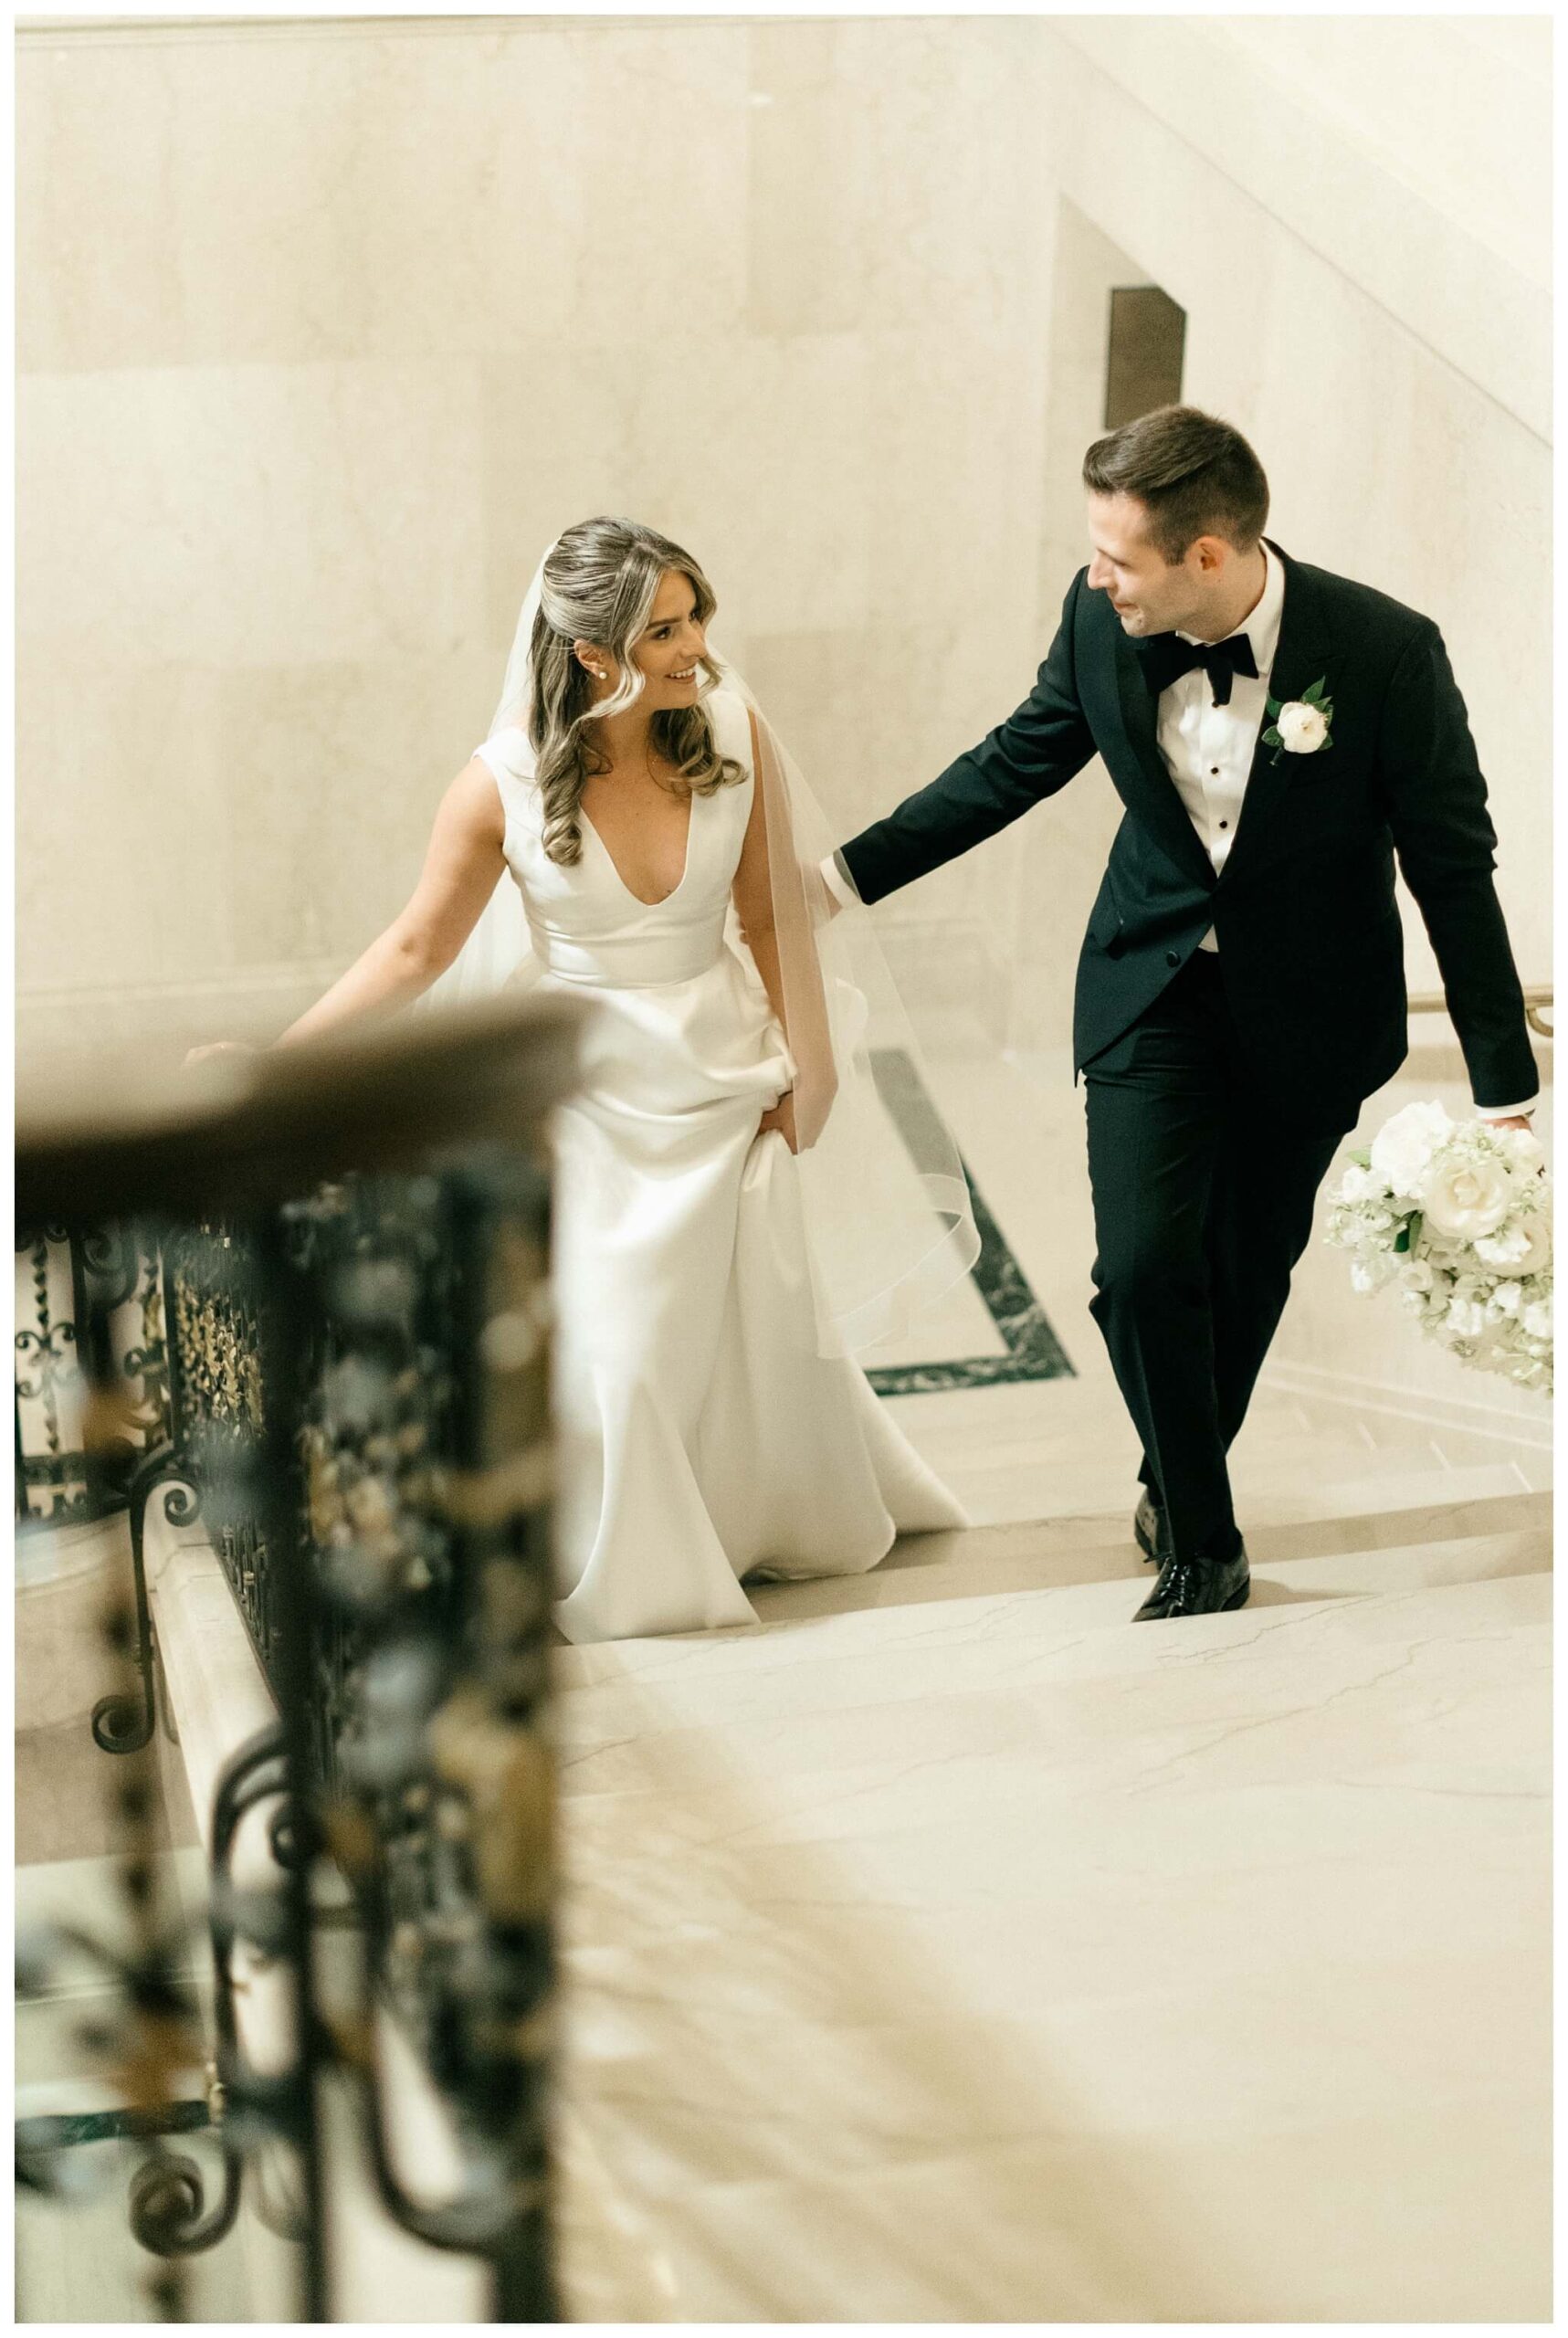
(887, 1205)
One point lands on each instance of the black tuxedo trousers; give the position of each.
(1203, 1204)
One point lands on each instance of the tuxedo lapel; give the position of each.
(1145, 783)
(1301, 656)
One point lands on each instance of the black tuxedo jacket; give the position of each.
(1310, 937)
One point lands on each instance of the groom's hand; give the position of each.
(1514, 1120)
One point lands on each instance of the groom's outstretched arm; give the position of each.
(1446, 842)
(1038, 750)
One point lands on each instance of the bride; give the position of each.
(733, 1211)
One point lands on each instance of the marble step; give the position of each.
(1039, 1670)
(1018, 1969)
(1055, 1556)
(1362, 1514)
(689, 2100)
(1268, 1479)
(1365, 1783)
(1094, 1431)
(1382, 2226)
(1100, 1433)
(1029, 1409)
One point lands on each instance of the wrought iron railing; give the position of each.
(354, 1249)
(99, 1280)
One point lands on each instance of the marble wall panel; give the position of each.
(952, 491)
(1459, 107)
(239, 834)
(810, 263)
(753, 453)
(326, 329)
(121, 825)
(1289, 145)
(336, 775)
(291, 195)
(241, 515)
(893, 168)
(952, 142)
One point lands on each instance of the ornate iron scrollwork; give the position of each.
(357, 1397)
(103, 1285)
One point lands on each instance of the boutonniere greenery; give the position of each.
(1300, 725)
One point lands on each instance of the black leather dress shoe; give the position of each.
(1197, 1588)
(1149, 1530)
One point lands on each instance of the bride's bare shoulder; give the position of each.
(473, 802)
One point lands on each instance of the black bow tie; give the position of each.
(1166, 658)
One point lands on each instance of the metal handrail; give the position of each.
(1537, 1005)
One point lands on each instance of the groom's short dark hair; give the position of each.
(1194, 475)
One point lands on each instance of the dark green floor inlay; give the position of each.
(1033, 1349)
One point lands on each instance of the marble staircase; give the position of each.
(948, 1948)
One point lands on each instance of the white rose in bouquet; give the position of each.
(1522, 1147)
(1462, 1200)
(1523, 1245)
(1537, 1228)
(1359, 1184)
(1403, 1148)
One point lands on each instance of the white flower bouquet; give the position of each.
(1458, 1215)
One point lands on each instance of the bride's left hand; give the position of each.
(781, 1116)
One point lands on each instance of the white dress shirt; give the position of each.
(1208, 751)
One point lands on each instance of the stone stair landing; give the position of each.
(950, 1948)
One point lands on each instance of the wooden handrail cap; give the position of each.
(247, 1131)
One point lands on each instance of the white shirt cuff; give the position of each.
(838, 883)
(1508, 1112)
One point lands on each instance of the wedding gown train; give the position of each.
(701, 1437)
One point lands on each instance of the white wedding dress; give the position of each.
(702, 1438)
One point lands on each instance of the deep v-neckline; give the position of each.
(610, 857)
(691, 803)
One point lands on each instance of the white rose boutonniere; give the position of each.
(1301, 726)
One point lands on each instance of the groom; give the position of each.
(1277, 735)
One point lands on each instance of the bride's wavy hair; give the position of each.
(599, 585)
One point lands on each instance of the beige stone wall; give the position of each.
(324, 330)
